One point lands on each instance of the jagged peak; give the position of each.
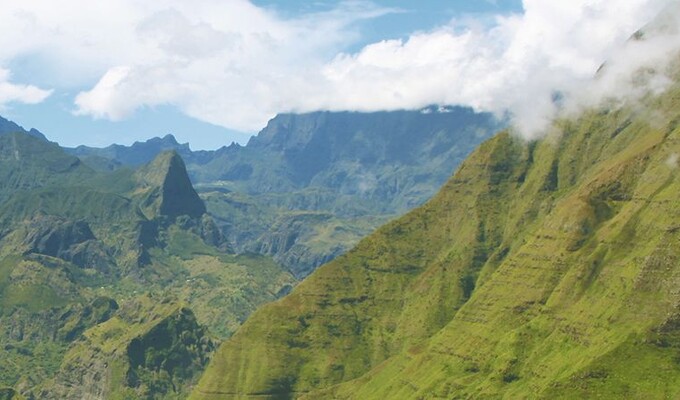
(169, 138)
(155, 172)
(170, 191)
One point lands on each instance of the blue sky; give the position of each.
(214, 71)
(55, 117)
(415, 15)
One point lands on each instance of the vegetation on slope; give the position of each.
(151, 348)
(541, 269)
(81, 254)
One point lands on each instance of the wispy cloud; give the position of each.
(11, 92)
(518, 65)
(234, 64)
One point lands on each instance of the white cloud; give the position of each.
(517, 65)
(11, 92)
(233, 64)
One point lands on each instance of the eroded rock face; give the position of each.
(8, 394)
(169, 190)
(53, 236)
(177, 347)
(75, 242)
(290, 242)
(27, 333)
(348, 164)
(153, 358)
(68, 240)
(211, 234)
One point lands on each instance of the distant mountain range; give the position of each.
(113, 264)
(309, 186)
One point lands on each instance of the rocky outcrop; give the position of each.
(75, 322)
(71, 241)
(159, 353)
(33, 342)
(9, 394)
(344, 163)
(291, 242)
(169, 355)
(168, 190)
(78, 246)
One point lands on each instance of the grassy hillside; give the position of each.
(540, 270)
(93, 262)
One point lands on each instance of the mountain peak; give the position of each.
(169, 138)
(7, 126)
(170, 191)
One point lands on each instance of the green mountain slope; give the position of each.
(27, 162)
(541, 270)
(93, 262)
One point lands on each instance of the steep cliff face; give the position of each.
(154, 354)
(359, 168)
(540, 270)
(68, 240)
(305, 240)
(60, 208)
(381, 156)
(169, 190)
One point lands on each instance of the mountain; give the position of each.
(27, 162)
(140, 351)
(543, 269)
(7, 126)
(113, 284)
(172, 193)
(351, 153)
(333, 175)
(139, 153)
